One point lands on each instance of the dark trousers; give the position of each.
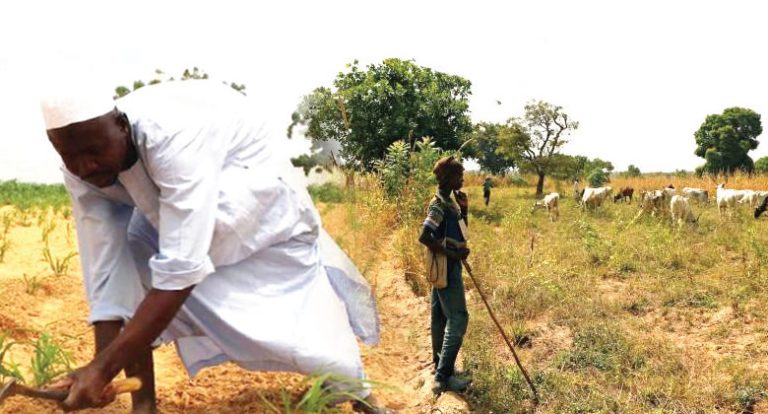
(487, 197)
(449, 322)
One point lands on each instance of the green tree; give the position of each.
(307, 162)
(367, 110)
(633, 171)
(160, 76)
(596, 163)
(484, 145)
(567, 167)
(597, 177)
(725, 140)
(406, 174)
(535, 138)
(573, 167)
(761, 165)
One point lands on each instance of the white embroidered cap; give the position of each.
(68, 108)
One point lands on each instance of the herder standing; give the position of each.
(444, 233)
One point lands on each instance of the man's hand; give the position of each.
(460, 254)
(87, 389)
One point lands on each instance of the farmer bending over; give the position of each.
(443, 235)
(191, 230)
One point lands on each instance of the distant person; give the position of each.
(190, 230)
(444, 234)
(487, 185)
(576, 192)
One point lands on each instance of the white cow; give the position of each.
(551, 202)
(749, 198)
(681, 211)
(656, 201)
(699, 194)
(726, 198)
(594, 197)
(650, 201)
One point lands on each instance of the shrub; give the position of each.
(598, 177)
(328, 193)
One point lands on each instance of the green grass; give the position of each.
(328, 193)
(27, 195)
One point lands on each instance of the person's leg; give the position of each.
(454, 305)
(143, 400)
(437, 326)
(142, 240)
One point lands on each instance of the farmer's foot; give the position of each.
(370, 406)
(144, 409)
(454, 383)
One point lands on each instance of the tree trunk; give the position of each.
(540, 185)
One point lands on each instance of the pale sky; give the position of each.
(639, 76)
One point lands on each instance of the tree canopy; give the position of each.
(724, 140)
(160, 76)
(535, 139)
(576, 167)
(761, 165)
(367, 110)
(484, 145)
(633, 171)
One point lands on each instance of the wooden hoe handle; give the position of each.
(118, 386)
(127, 385)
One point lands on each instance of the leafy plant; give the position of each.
(32, 284)
(47, 229)
(5, 242)
(59, 265)
(322, 396)
(8, 369)
(49, 360)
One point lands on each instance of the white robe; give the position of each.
(209, 204)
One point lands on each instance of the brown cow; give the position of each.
(625, 193)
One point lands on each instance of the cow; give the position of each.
(761, 208)
(681, 212)
(761, 196)
(749, 198)
(551, 202)
(624, 194)
(594, 197)
(652, 201)
(699, 194)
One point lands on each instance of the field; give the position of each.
(609, 315)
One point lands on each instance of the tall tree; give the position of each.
(160, 76)
(534, 139)
(633, 171)
(367, 110)
(761, 165)
(484, 145)
(725, 140)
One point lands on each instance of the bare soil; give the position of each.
(400, 363)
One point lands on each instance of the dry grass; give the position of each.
(658, 319)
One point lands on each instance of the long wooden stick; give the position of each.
(503, 334)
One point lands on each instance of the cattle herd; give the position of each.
(662, 202)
